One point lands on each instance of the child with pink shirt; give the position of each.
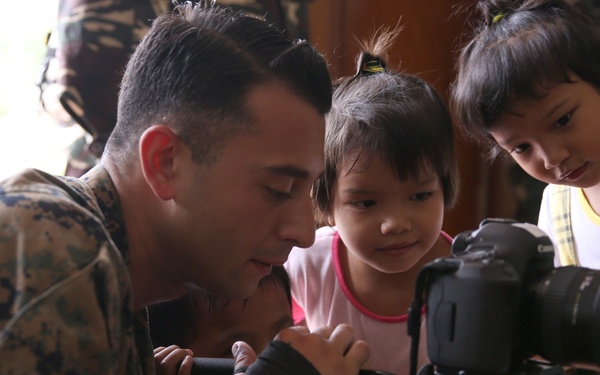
(390, 173)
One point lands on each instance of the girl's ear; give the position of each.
(157, 149)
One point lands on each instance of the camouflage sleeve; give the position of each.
(64, 294)
(95, 40)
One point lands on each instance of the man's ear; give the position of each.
(157, 150)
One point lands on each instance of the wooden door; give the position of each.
(432, 33)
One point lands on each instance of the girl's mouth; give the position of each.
(575, 174)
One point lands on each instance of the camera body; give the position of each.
(496, 302)
(477, 296)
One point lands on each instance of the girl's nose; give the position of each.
(395, 224)
(553, 156)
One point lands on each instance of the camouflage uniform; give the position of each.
(89, 50)
(65, 292)
(92, 43)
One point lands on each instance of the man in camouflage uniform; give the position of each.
(204, 183)
(91, 45)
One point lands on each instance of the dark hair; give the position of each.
(519, 50)
(194, 70)
(396, 114)
(177, 322)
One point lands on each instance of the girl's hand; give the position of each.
(173, 360)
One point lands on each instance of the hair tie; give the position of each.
(369, 65)
(498, 17)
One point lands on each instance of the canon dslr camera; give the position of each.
(498, 300)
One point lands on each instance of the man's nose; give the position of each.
(299, 224)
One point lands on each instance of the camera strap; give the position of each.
(415, 310)
(414, 318)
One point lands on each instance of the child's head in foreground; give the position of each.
(389, 155)
(527, 84)
(209, 326)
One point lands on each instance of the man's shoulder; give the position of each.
(41, 213)
(52, 239)
(63, 283)
(35, 190)
(28, 180)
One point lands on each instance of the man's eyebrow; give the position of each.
(289, 170)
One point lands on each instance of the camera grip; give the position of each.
(225, 366)
(213, 366)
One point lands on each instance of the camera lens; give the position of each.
(561, 316)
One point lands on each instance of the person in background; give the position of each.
(390, 173)
(209, 326)
(527, 87)
(203, 184)
(90, 46)
(86, 55)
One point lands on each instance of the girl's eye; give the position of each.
(422, 196)
(363, 204)
(520, 149)
(563, 121)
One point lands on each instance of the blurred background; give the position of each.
(28, 137)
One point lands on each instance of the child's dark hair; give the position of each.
(176, 322)
(395, 114)
(519, 50)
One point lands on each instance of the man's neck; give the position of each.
(140, 208)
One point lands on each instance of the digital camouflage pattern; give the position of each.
(89, 49)
(65, 293)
